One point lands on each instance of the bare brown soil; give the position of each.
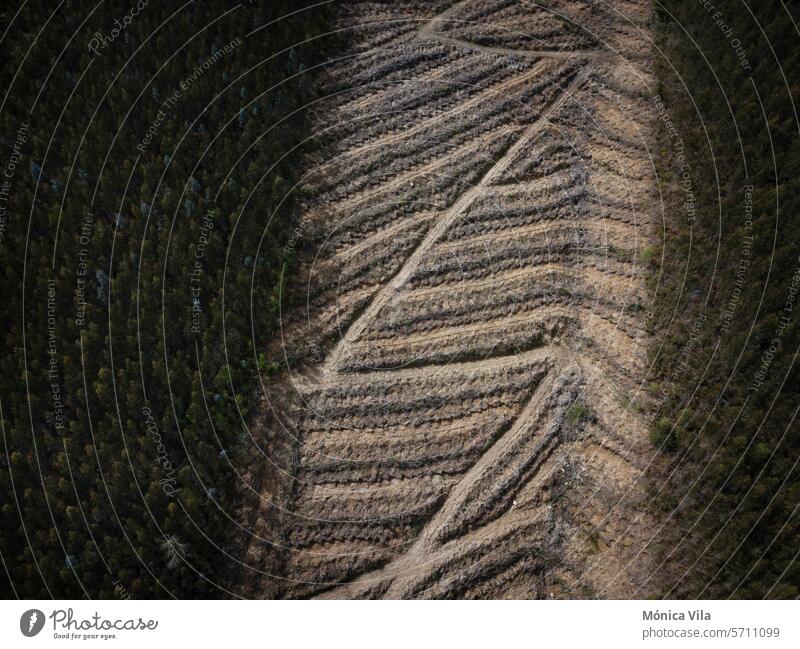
(462, 412)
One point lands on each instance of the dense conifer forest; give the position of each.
(727, 282)
(149, 154)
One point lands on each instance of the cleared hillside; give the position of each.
(461, 410)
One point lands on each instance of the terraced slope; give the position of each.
(456, 418)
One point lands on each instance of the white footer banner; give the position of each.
(411, 625)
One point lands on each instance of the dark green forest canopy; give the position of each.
(726, 304)
(149, 152)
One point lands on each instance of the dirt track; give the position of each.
(459, 416)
